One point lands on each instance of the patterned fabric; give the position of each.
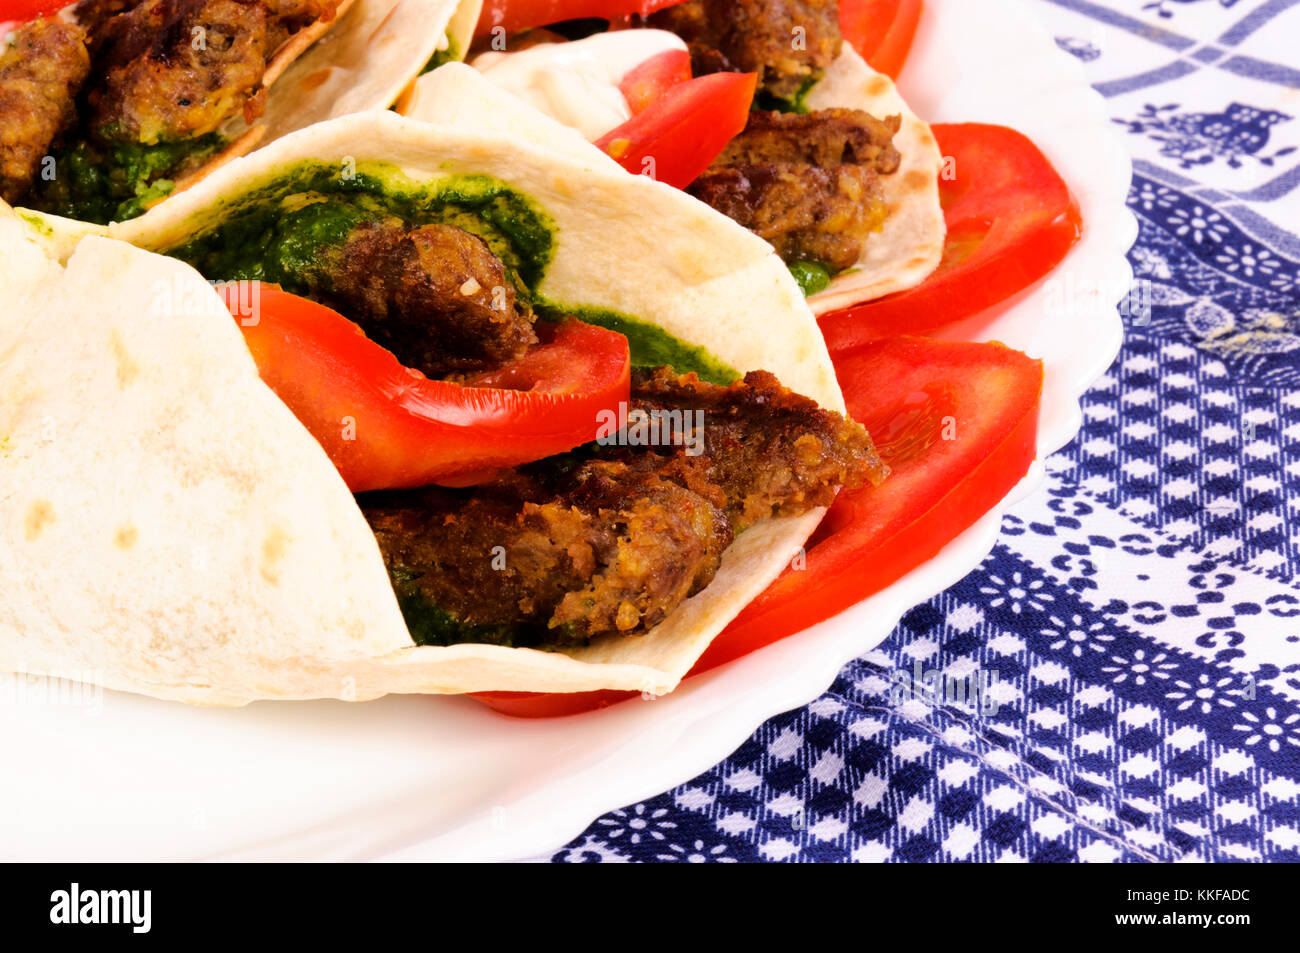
(1142, 611)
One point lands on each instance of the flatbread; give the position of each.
(170, 432)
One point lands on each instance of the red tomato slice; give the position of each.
(678, 135)
(23, 10)
(881, 31)
(1011, 219)
(957, 424)
(646, 82)
(516, 15)
(386, 425)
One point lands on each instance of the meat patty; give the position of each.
(41, 72)
(807, 213)
(177, 69)
(808, 184)
(566, 550)
(789, 43)
(825, 137)
(434, 295)
(772, 452)
(614, 551)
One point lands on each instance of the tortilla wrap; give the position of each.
(183, 536)
(900, 256)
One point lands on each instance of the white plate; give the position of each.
(123, 777)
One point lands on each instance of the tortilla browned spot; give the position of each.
(274, 546)
(127, 369)
(39, 516)
(125, 536)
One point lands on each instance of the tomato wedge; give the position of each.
(957, 424)
(1011, 219)
(516, 15)
(21, 11)
(881, 31)
(677, 136)
(386, 425)
(647, 81)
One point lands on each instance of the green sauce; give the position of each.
(450, 55)
(277, 232)
(652, 346)
(813, 276)
(432, 625)
(798, 103)
(112, 183)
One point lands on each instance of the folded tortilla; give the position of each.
(170, 526)
(900, 256)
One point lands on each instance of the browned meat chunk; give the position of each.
(40, 74)
(178, 69)
(558, 553)
(806, 213)
(826, 137)
(94, 15)
(808, 184)
(773, 452)
(436, 296)
(789, 43)
(614, 552)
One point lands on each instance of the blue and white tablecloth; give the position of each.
(1142, 611)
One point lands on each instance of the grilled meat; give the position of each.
(771, 451)
(559, 553)
(178, 69)
(808, 184)
(434, 295)
(41, 72)
(789, 43)
(826, 138)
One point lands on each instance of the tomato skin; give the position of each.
(516, 15)
(385, 425)
(874, 536)
(902, 389)
(647, 81)
(1011, 219)
(21, 11)
(684, 129)
(881, 31)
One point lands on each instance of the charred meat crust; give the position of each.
(178, 69)
(808, 184)
(827, 138)
(41, 73)
(614, 552)
(137, 71)
(434, 295)
(772, 452)
(789, 43)
(611, 545)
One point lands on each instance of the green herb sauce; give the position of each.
(652, 346)
(279, 231)
(115, 182)
(798, 103)
(813, 276)
(431, 625)
(450, 55)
